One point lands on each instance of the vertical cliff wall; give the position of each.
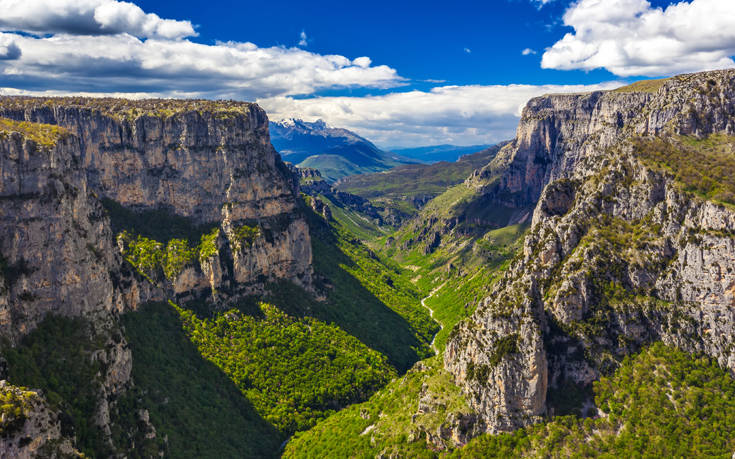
(621, 252)
(59, 258)
(211, 162)
(57, 246)
(76, 172)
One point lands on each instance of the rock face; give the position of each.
(56, 243)
(619, 255)
(33, 430)
(211, 162)
(58, 252)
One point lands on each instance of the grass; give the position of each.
(701, 166)
(650, 86)
(448, 202)
(46, 135)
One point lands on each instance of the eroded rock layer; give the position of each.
(69, 166)
(621, 253)
(211, 162)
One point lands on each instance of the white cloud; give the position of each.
(124, 63)
(468, 51)
(448, 114)
(629, 37)
(540, 3)
(528, 51)
(114, 46)
(88, 17)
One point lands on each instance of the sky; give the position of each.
(401, 73)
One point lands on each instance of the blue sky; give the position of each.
(423, 41)
(402, 73)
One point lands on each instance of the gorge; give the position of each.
(172, 287)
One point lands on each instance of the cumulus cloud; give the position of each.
(88, 17)
(630, 37)
(448, 114)
(303, 39)
(124, 63)
(528, 51)
(105, 46)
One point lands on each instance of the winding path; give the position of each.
(431, 314)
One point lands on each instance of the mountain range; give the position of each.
(170, 286)
(335, 152)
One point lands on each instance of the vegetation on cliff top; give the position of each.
(46, 135)
(643, 86)
(131, 109)
(702, 166)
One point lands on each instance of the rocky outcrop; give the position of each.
(58, 253)
(619, 254)
(29, 428)
(55, 240)
(208, 164)
(211, 162)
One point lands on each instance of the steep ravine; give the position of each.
(431, 314)
(207, 164)
(621, 253)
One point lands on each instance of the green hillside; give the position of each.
(406, 188)
(659, 403)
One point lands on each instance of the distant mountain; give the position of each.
(335, 152)
(436, 153)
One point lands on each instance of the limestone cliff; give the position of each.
(29, 427)
(58, 252)
(71, 168)
(211, 162)
(621, 252)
